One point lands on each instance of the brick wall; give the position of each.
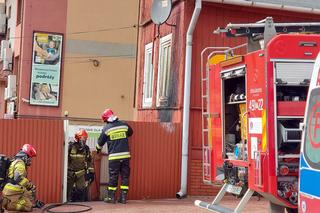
(196, 185)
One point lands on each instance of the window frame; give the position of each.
(165, 42)
(9, 12)
(148, 54)
(19, 12)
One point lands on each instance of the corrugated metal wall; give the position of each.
(155, 149)
(155, 162)
(47, 137)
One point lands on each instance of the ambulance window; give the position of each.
(312, 130)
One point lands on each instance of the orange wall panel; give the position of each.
(47, 136)
(156, 157)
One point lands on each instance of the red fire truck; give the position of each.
(253, 105)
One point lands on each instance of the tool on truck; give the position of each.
(252, 107)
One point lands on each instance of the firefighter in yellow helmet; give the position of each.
(18, 193)
(80, 168)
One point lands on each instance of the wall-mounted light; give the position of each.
(25, 100)
(95, 62)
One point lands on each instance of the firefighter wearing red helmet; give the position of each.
(80, 168)
(115, 133)
(19, 192)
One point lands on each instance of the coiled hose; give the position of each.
(50, 208)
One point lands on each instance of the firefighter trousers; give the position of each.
(1, 199)
(117, 167)
(17, 198)
(76, 186)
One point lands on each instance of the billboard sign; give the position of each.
(46, 69)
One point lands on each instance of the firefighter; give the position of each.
(115, 133)
(19, 192)
(80, 168)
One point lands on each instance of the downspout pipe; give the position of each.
(186, 102)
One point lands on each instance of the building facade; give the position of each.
(100, 57)
(68, 58)
(161, 63)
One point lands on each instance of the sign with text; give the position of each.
(93, 134)
(46, 69)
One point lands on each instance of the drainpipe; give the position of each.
(186, 102)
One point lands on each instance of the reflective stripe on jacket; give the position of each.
(18, 173)
(79, 158)
(116, 134)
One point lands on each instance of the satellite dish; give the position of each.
(160, 11)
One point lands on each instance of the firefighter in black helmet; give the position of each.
(115, 133)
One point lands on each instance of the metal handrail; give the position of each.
(207, 101)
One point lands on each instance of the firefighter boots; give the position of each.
(123, 197)
(111, 197)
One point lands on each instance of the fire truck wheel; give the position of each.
(292, 210)
(274, 208)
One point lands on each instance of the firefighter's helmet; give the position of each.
(108, 116)
(81, 135)
(29, 150)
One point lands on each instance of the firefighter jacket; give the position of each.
(17, 174)
(116, 134)
(79, 159)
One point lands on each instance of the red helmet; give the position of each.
(107, 113)
(29, 150)
(81, 134)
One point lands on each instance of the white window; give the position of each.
(148, 76)
(164, 70)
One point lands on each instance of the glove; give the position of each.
(90, 177)
(98, 148)
(38, 204)
(31, 187)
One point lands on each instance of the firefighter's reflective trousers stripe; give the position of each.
(117, 167)
(17, 198)
(118, 156)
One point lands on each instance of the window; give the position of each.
(19, 11)
(164, 71)
(311, 149)
(9, 12)
(148, 76)
(8, 34)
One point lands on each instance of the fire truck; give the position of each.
(253, 108)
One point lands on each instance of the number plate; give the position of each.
(233, 189)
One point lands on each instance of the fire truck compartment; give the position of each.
(234, 102)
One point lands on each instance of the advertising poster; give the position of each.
(46, 69)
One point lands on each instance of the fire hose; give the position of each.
(56, 205)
